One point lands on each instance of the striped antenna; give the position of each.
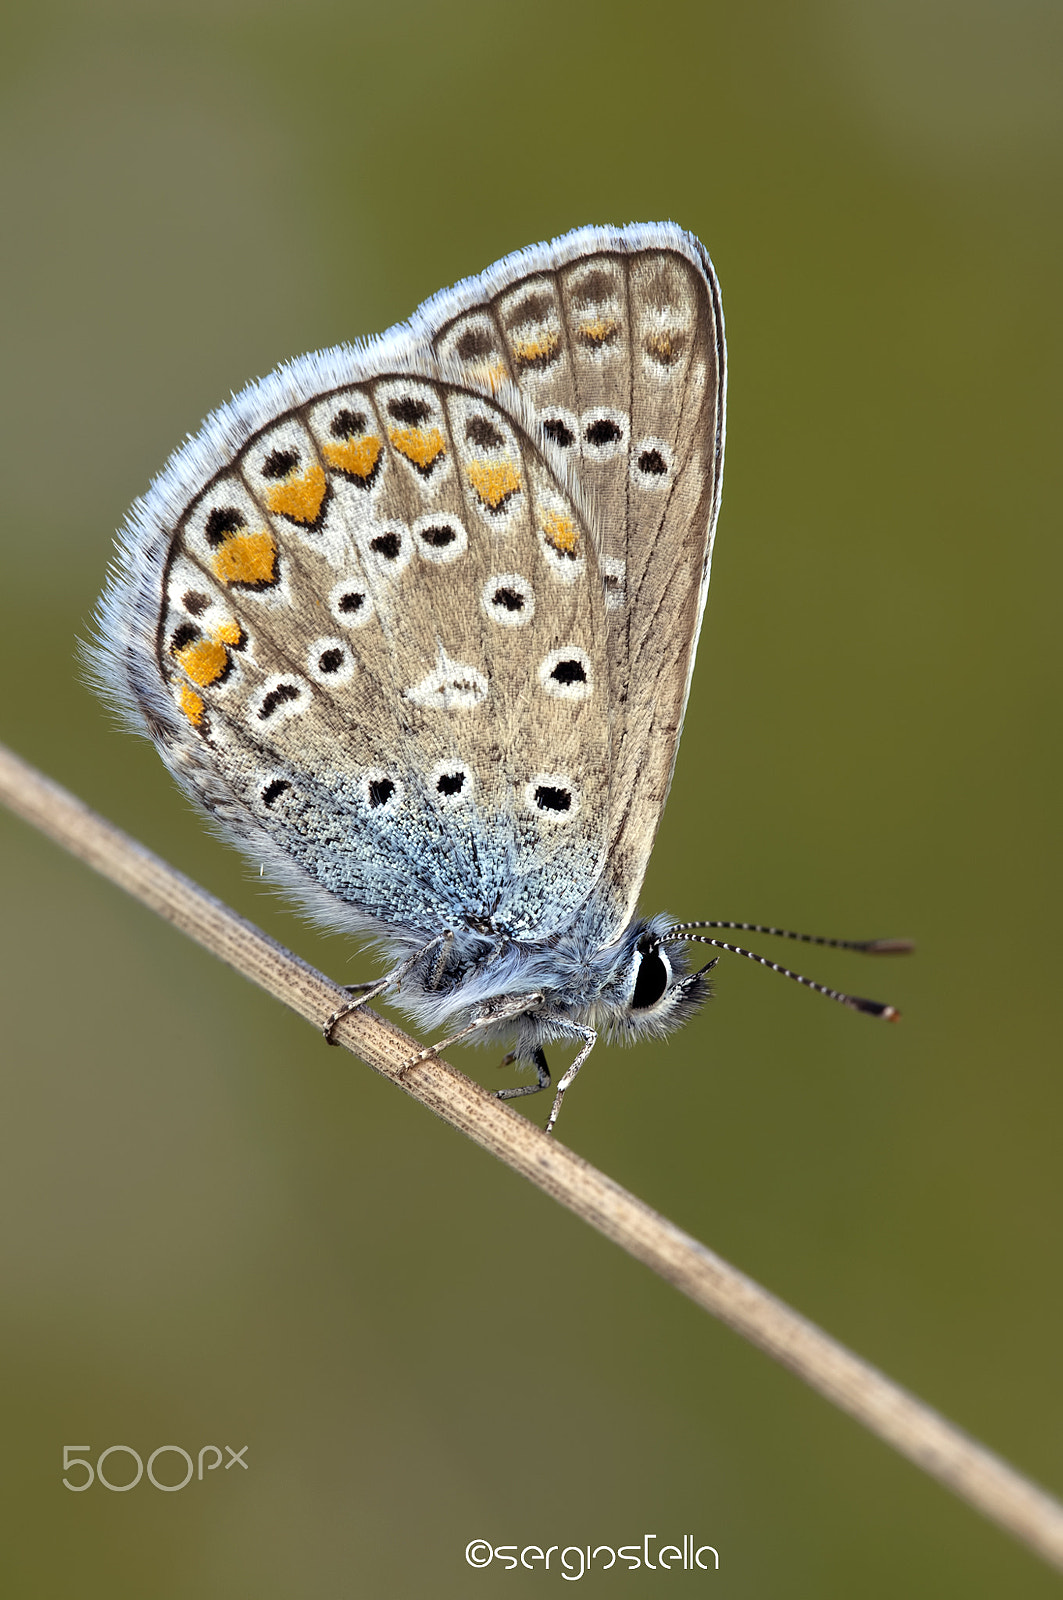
(868, 947)
(678, 934)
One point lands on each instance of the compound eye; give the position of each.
(651, 980)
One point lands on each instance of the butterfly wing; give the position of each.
(381, 655)
(615, 341)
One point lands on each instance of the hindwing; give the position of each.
(384, 623)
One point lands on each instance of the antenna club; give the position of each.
(873, 1008)
(889, 947)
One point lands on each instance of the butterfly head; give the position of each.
(652, 991)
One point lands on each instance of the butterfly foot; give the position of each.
(542, 1072)
(364, 992)
(415, 1061)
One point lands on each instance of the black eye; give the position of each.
(651, 980)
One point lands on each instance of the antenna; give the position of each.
(678, 934)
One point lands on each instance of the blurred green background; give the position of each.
(218, 1231)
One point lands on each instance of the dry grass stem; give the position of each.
(971, 1471)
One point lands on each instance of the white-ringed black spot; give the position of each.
(570, 671)
(387, 545)
(380, 791)
(547, 798)
(440, 537)
(330, 662)
(559, 432)
(350, 602)
(451, 782)
(508, 599)
(603, 431)
(273, 791)
(277, 697)
(566, 673)
(194, 602)
(552, 797)
(651, 464)
(279, 463)
(452, 686)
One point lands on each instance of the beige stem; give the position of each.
(925, 1437)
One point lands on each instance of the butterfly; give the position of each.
(414, 620)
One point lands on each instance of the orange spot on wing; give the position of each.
(422, 446)
(356, 456)
(561, 533)
(494, 481)
(598, 331)
(204, 660)
(299, 497)
(246, 558)
(536, 351)
(666, 346)
(230, 632)
(192, 704)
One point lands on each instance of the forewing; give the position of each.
(615, 340)
(384, 634)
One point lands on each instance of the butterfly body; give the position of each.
(414, 622)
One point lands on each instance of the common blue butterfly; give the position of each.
(414, 620)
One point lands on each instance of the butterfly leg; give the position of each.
(445, 947)
(539, 1063)
(590, 1039)
(515, 1006)
(369, 991)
